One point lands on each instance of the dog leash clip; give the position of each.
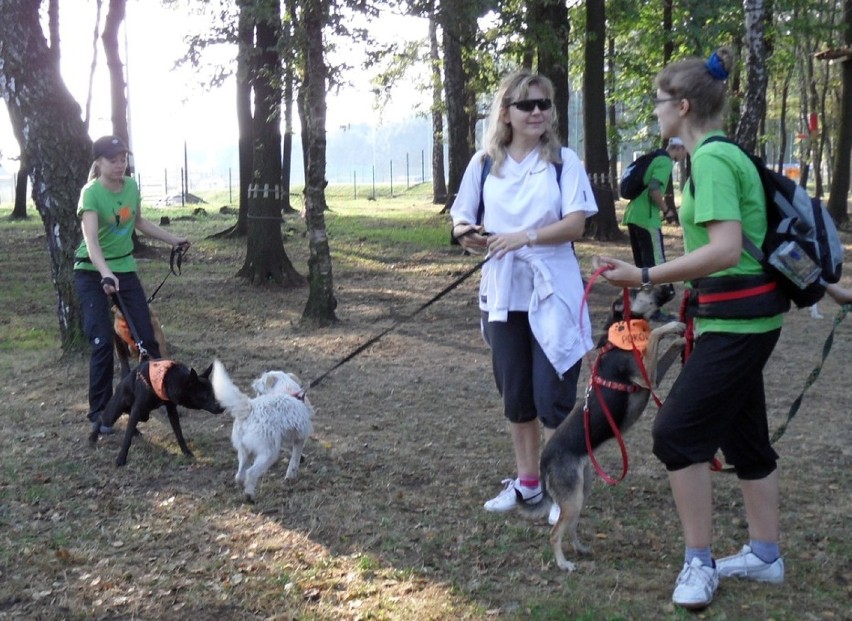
(176, 259)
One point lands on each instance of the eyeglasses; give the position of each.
(657, 101)
(528, 105)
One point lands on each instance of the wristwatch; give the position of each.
(532, 237)
(647, 285)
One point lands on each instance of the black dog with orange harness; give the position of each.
(626, 368)
(152, 384)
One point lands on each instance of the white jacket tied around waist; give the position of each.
(563, 331)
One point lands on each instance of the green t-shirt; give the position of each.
(117, 213)
(727, 187)
(642, 211)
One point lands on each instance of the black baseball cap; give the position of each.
(108, 147)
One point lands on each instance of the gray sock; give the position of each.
(703, 554)
(766, 551)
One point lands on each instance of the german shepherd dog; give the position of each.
(566, 473)
(152, 384)
(125, 345)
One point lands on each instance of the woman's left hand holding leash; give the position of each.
(501, 244)
(619, 273)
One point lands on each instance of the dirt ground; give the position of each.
(385, 520)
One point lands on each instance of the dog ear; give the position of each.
(207, 372)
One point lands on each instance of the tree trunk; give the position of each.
(19, 211)
(321, 301)
(459, 33)
(548, 21)
(118, 85)
(288, 46)
(754, 103)
(245, 75)
(287, 146)
(266, 262)
(439, 184)
(839, 197)
(91, 84)
(782, 122)
(603, 226)
(56, 147)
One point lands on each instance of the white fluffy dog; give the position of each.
(279, 414)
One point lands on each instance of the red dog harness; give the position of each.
(157, 370)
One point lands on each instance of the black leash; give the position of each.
(829, 341)
(175, 264)
(444, 292)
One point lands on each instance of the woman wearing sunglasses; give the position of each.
(531, 289)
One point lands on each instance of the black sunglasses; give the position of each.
(528, 105)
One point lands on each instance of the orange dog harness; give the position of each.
(157, 370)
(626, 336)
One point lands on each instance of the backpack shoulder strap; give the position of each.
(748, 245)
(486, 168)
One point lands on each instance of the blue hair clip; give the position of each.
(716, 67)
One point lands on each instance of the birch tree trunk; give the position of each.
(754, 102)
(55, 147)
(321, 301)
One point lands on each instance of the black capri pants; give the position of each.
(530, 386)
(718, 402)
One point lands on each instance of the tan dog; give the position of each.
(125, 346)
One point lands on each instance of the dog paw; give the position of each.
(249, 499)
(121, 461)
(566, 565)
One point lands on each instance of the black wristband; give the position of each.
(107, 281)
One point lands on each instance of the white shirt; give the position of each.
(544, 281)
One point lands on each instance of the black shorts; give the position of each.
(527, 381)
(718, 402)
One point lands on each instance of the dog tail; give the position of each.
(227, 394)
(537, 507)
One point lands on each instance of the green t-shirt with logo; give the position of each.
(117, 213)
(642, 211)
(727, 187)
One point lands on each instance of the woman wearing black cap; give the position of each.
(110, 208)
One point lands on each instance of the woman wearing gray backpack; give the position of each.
(717, 401)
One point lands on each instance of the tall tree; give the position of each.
(266, 261)
(839, 198)
(321, 301)
(754, 104)
(439, 184)
(604, 226)
(56, 146)
(548, 31)
(118, 85)
(458, 24)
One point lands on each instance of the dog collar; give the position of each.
(627, 337)
(605, 383)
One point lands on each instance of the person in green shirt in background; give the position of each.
(644, 214)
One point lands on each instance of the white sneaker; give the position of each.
(749, 566)
(553, 517)
(695, 585)
(507, 499)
